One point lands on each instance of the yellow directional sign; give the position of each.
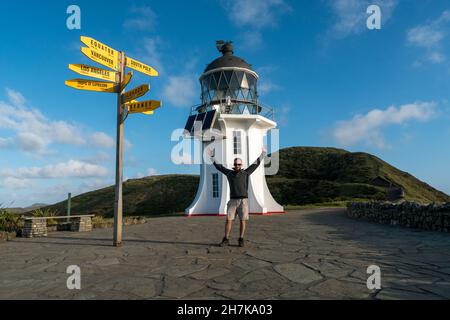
(141, 67)
(100, 47)
(94, 72)
(135, 93)
(101, 58)
(126, 81)
(143, 106)
(83, 84)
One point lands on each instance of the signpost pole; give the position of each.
(119, 148)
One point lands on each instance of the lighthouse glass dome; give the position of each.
(231, 86)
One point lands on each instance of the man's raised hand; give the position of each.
(210, 153)
(264, 149)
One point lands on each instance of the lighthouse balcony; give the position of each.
(235, 106)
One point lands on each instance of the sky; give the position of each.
(332, 81)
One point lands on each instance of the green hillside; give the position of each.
(313, 174)
(307, 175)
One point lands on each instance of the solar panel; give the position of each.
(207, 123)
(199, 118)
(190, 123)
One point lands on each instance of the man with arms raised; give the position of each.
(238, 181)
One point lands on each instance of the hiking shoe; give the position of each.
(241, 242)
(225, 242)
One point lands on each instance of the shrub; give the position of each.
(97, 220)
(46, 212)
(9, 222)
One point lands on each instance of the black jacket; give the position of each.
(238, 180)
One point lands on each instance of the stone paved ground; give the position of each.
(308, 254)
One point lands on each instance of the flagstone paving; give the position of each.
(305, 254)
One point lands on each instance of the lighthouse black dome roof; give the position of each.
(227, 59)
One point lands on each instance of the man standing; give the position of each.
(238, 181)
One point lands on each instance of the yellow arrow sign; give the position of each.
(101, 58)
(143, 106)
(100, 47)
(83, 84)
(141, 67)
(135, 93)
(94, 72)
(135, 101)
(126, 81)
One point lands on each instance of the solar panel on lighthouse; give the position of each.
(203, 120)
(190, 123)
(207, 123)
(199, 121)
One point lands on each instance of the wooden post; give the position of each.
(119, 149)
(69, 198)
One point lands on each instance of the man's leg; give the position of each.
(242, 228)
(228, 226)
(231, 213)
(243, 215)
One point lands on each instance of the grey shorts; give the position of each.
(237, 205)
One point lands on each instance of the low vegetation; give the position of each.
(10, 222)
(46, 212)
(307, 177)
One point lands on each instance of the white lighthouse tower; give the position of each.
(230, 107)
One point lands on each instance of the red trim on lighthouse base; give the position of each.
(224, 214)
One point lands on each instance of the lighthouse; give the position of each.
(233, 123)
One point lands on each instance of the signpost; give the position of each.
(91, 85)
(135, 93)
(116, 60)
(141, 67)
(94, 72)
(101, 58)
(143, 106)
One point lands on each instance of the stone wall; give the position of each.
(81, 224)
(408, 214)
(35, 227)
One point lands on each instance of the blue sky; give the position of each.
(332, 81)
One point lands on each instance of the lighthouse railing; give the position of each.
(235, 107)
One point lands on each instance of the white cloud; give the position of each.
(181, 90)
(430, 36)
(253, 16)
(152, 172)
(351, 15)
(15, 97)
(267, 86)
(367, 128)
(102, 140)
(127, 144)
(143, 18)
(71, 168)
(282, 116)
(16, 183)
(151, 48)
(32, 132)
(5, 142)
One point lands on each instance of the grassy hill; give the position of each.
(313, 174)
(307, 175)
